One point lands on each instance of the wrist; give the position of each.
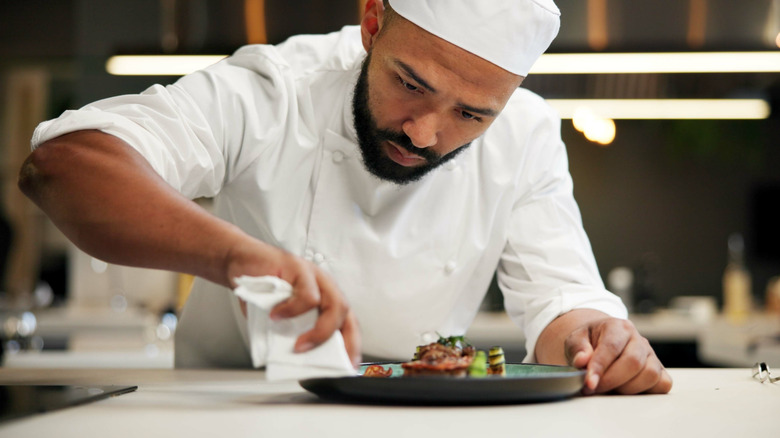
(246, 255)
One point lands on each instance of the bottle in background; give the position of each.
(737, 296)
(773, 296)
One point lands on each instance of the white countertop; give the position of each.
(199, 403)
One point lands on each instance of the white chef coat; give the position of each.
(268, 134)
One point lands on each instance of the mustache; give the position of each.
(405, 142)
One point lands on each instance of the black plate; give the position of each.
(524, 383)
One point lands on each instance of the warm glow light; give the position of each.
(678, 62)
(595, 128)
(582, 117)
(664, 108)
(601, 131)
(549, 63)
(777, 40)
(159, 65)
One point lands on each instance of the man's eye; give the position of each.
(408, 86)
(468, 116)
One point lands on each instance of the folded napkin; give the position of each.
(272, 342)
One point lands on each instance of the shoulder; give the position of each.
(524, 140)
(271, 74)
(527, 120)
(304, 54)
(333, 51)
(528, 107)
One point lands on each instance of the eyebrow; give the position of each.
(483, 111)
(410, 71)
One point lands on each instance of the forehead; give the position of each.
(443, 62)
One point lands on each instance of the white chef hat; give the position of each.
(511, 34)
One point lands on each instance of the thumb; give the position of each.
(579, 352)
(578, 348)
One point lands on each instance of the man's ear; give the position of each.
(371, 22)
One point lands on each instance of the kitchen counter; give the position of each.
(106, 340)
(719, 342)
(207, 403)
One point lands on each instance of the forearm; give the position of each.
(107, 200)
(550, 348)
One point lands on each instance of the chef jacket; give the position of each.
(268, 134)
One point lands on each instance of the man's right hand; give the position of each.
(313, 288)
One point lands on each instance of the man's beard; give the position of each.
(370, 138)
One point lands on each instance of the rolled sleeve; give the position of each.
(173, 137)
(204, 129)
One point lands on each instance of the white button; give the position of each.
(338, 156)
(450, 165)
(319, 258)
(308, 255)
(449, 268)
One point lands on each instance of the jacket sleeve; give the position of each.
(547, 267)
(201, 131)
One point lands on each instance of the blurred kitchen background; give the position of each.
(682, 205)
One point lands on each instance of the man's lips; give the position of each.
(402, 156)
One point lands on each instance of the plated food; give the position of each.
(452, 356)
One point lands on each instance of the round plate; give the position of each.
(523, 383)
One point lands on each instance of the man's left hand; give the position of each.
(617, 359)
(615, 356)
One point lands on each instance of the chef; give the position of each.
(385, 171)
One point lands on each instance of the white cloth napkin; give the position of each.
(271, 342)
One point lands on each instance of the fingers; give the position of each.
(609, 338)
(653, 378)
(620, 355)
(332, 313)
(314, 289)
(650, 377)
(350, 331)
(636, 370)
(579, 351)
(623, 361)
(664, 385)
(302, 276)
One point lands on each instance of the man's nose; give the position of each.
(422, 130)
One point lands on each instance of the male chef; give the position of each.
(386, 172)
